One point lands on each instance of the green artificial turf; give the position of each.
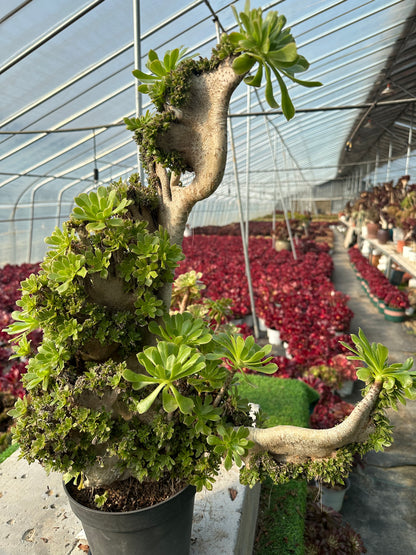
(7, 452)
(283, 401)
(282, 509)
(281, 519)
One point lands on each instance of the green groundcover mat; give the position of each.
(281, 520)
(7, 452)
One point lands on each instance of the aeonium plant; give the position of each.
(386, 386)
(101, 405)
(327, 373)
(346, 368)
(121, 392)
(335, 372)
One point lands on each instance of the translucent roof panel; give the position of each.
(66, 85)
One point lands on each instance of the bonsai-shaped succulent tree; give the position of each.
(121, 390)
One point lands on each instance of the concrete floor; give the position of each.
(381, 502)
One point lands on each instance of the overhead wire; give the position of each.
(48, 36)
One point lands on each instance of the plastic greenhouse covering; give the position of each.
(66, 85)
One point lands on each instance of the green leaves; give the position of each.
(182, 329)
(266, 42)
(47, 363)
(160, 68)
(99, 209)
(98, 261)
(153, 83)
(23, 323)
(243, 64)
(399, 380)
(165, 364)
(149, 259)
(61, 240)
(65, 268)
(218, 310)
(188, 287)
(231, 444)
(203, 413)
(243, 353)
(139, 123)
(148, 306)
(100, 500)
(19, 409)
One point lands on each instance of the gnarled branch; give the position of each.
(200, 136)
(292, 443)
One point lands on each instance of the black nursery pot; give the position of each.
(162, 529)
(383, 235)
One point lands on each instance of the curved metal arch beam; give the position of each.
(47, 180)
(32, 206)
(349, 23)
(103, 168)
(347, 77)
(101, 63)
(14, 11)
(58, 126)
(61, 27)
(29, 142)
(82, 112)
(27, 128)
(338, 51)
(64, 86)
(68, 148)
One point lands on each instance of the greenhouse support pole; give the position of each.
(248, 127)
(274, 201)
(409, 144)
(266, 122)
(240, 212)
(274, 214)
(138, 65)
(389, 161)
(367, 181)
(376, 168)
(243, 237)
(289, 231)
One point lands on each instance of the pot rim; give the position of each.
(192, 491)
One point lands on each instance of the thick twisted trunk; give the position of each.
(199, 134)
(292, 443)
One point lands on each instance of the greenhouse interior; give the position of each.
(207, 277)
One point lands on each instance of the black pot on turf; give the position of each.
(157, 530)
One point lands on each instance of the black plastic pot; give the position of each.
(383, 235)
(162, 529)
